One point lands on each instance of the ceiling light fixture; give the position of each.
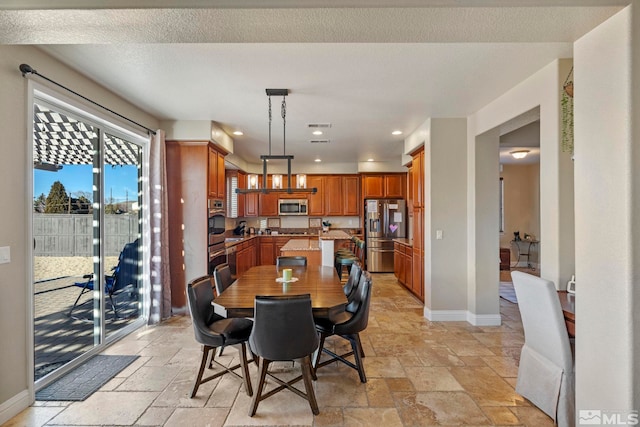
(317, 160)
(519, 154)
(369, 160)
(277, 179)
(238, 133)
(396, 132)
(317, 132)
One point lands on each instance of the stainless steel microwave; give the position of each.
(292, 207)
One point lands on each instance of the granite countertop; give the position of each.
(301, 245)
(404, 241)
(334, 235)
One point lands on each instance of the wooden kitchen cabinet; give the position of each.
(316, 201)
(333, 193)
(246, 255)
(268, 203)
(215, 174)
(403, 265)
(190, 165)
(267, 252)
(376, 186)
(372, 186)
(351, 195)
(417, 179)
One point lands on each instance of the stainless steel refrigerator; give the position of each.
(385, 220)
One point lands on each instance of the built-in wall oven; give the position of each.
(216, 228)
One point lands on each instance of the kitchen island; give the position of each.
(309, 248)
(327, 245)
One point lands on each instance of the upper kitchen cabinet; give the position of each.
(215, 174)
(316, 201)
(333, 195)
(383, 186)
(351, 195)
(268, 204)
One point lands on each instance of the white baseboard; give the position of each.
(484, 319)
(445, 315)
(14, 406)
(463, 316)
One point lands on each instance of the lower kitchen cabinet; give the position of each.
(403, 266)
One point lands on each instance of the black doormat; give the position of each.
(84, 380)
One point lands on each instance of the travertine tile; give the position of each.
(433, 379)
(501, 415)
(155, 416)
(440, 408)
(503, 366)
(335, 389)
(329, 417)
(532, 417)
(487, 387)
(202, 417)
(112, 407)
(383, 367)
(387, 417)
(34, 416)
(399, 384)
(149, 379)
(378, 393)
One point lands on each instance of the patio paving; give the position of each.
(59, 338)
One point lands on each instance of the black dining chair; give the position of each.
(291, 261)
(213, 331)
(222, 277)
(348, 325)
(284, 330)
(350, 287)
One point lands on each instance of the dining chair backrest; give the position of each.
(283, 327)
(291, 261)
(359, 307)
(542, 319)
(350, 287)
(222, 277)
(200, 295)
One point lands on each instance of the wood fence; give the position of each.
(72, 234)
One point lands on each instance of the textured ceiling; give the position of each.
(367, 71)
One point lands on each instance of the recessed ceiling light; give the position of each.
(369, 160)
(317, 132)
(396, 132)
(239, 133)
(318, 160)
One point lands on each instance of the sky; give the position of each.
(78, 178)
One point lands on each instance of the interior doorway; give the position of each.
(520, 242)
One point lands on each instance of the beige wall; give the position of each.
(14, 186)
(521, 204)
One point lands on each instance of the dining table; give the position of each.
(320, 282)
(568, 304)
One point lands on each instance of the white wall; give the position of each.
(15, 378)
(556, 169)
(607, 172)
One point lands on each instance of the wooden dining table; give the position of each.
(322, 283)
(568, 304)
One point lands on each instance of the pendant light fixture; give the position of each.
(277, 183)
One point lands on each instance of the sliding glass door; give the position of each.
(87, 216)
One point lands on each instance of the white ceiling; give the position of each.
(367, 71)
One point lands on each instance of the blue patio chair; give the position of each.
(125, 273)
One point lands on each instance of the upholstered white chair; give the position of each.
(546, 372)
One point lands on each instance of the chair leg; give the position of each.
(84, 289)
(318, 354)
(264, 365)
(205, 353)
(360, 345)
(356, 346)
(307, 376)
(245, 369)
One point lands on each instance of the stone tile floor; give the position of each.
(419, 373)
